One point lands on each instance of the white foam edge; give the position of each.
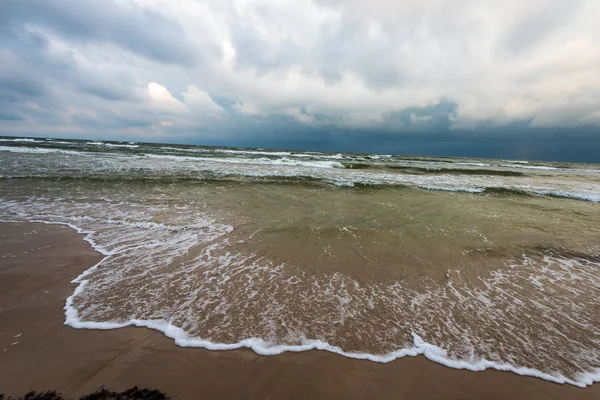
(39, 150)
(255, 161)
(540, 167)
(452, 188)
(259, 346)
(29, 140)
(131, 146)
(592, 197)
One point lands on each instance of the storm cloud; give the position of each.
(435, 76)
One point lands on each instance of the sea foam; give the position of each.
(259, 346)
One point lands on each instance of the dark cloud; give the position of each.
(436, 117)
(138, 30)
(9, 115)
(19, 87)
(108, 93)
(54, 80)
(115, 86)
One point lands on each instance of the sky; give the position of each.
(484, 78)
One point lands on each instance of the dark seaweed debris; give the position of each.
(102, 394)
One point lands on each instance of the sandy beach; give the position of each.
(38, 352)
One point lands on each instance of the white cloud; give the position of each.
(163, 98)
(199, 100)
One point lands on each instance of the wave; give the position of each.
(38, 150)
(460, 171)
(258, 161)
(338, 156)
(199, 179)
(426, 160)
(431, 170)
(453, 189)
(175, 148)
(505, 191)
(21, 140)
(255, 152)
(287, 169)
(207, 177)
(540, 167)
(378, 156)
(473, 164)
(360, 166)
(592, 197)
(516, 161)
(228, 151)
(181, 338)
(511, 191)
(273, 153)
(131, 146)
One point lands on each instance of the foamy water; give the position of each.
(274, 253)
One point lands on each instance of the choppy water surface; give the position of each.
(474, 263)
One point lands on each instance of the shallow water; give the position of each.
(497, 266)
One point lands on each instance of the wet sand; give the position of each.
(37, 352)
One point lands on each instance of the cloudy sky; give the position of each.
(463, 77)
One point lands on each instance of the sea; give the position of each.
(472, 263)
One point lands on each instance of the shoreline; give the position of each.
(78, 361)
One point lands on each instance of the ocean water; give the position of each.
(473, 263)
